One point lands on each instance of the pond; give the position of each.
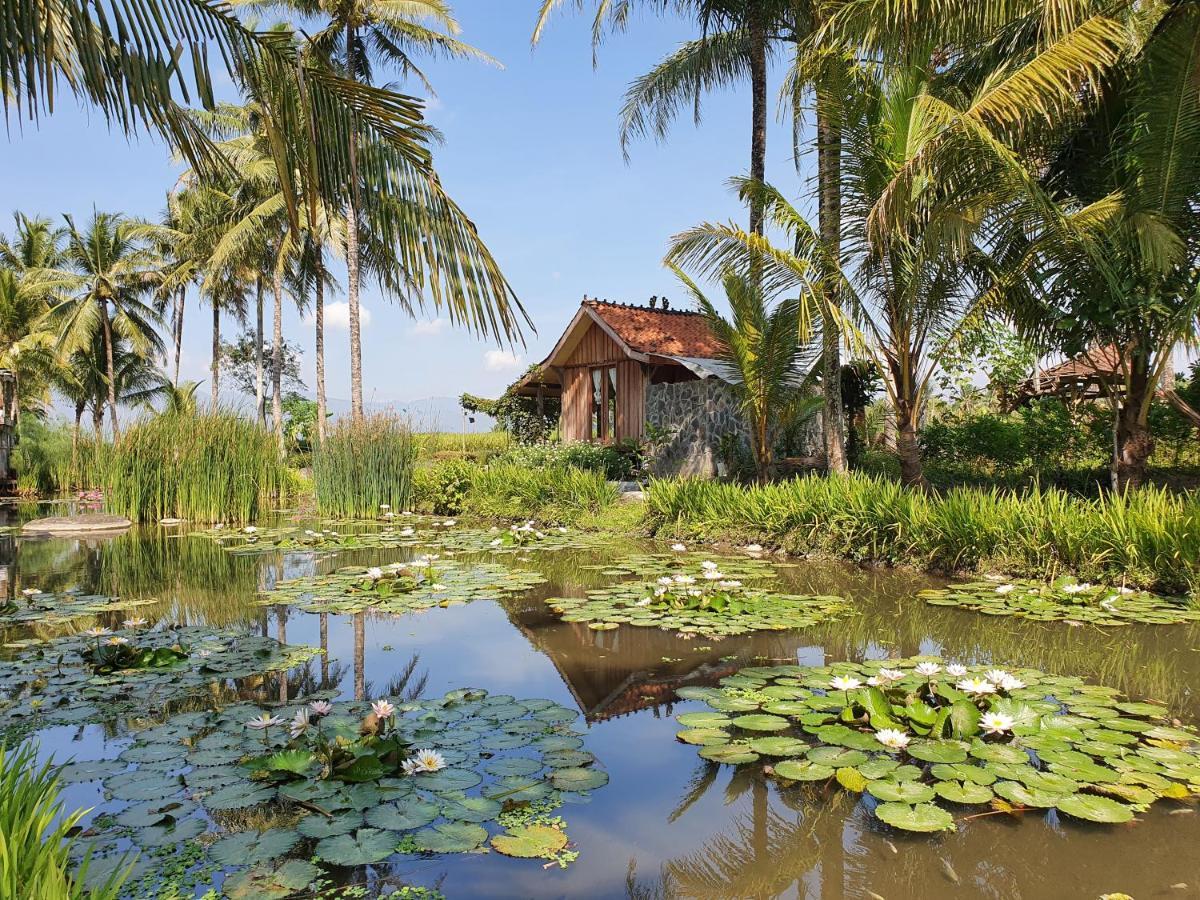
(667, 823)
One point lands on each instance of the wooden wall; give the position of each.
(596, 349)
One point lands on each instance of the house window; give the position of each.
(604, 403)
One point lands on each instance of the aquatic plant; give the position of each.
(516, 493)
(212, 467)
(1064, 600)
(363, 781)
(1148, 537)
(363, 466)
(907, 733)
(37, 834)
(50, 608)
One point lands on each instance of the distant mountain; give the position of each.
(427, 414)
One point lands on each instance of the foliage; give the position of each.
(214, 467)
(527, 419)
(909, 732)
(364, 466)
(478, 445)
(617, 462)
(559, 494)
(37, 835)
(1149, 537)
(990, 348)
(442, 488)
(239, 361)
(299, 423)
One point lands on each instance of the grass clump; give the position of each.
(36, 835)
(45, 464)
(363, 466)
(1149, 537)
(211, 467)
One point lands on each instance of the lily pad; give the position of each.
(364, 847)
(924, 817)
(530, 841)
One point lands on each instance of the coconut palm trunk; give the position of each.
(758, 113)
(1134, 442)
(79, 408)
(352, 265)
(216, 354)
(260, 405)
(110, 370)
(319, 317)
(177, 332)
(277, 361)
(829, 173)
(908, 448)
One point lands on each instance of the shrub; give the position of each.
(210, 467)
(442, 488)
(617, 462)
(363, 466)
(36, 835)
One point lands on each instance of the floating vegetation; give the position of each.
(344, 783)
(656, 565)
(1064, 600)
(79, 678)
(44, 608)
(918, 738)
(517, 539)
(710, 602)
(424, 583)
(253, 540)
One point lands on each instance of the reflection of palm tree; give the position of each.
(360, 656)
(402, 684)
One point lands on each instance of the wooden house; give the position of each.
(626, 372)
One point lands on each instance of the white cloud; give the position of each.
(428, 327)
(337, 316)
(502, 361)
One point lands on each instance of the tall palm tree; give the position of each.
(103, 283)
(761, 345)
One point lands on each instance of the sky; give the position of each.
(531, 153)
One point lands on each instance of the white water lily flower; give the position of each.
(1125, 591)
(666, 581)
(708, 564)
(713, 575)
(645, 601)
(389, 515)
(539, 535)
(995, 676)
(729, 585)
(383, 709)
(437, 586)
(1012, 683)
(1076, 588)
(384, 506)
(955, 670)
(892, 738)
(321, 707)
(30, 592)
(928, 669)
(407, 531)
(890, 675)
(695, 592)
(976, 686)
(684, 579)
(117, 641)
(995, 723)
(659, 591)
(754, 548)
(679, 548)
(874, 681)
(264, 721)
(204, 654)
(406, 513)
(299, 724)
(427, 761)
(450, 523)
(844, 683)
(497, 542)
(135, 622)
(97, 632)
(374, 573)
(1005, 588)
(249, 529)
(562, 529)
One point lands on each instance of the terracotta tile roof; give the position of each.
(1100, 361)
(659, 332)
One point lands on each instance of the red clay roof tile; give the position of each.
(657, 331)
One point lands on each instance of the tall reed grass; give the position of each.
(363, 466)
(1149, 537)
(45, 465)
(552, 494)
(36, 835)
(211, 467)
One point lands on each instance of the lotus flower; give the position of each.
(1012, 683)
(320, 707)
(844, 683)
(928, 669)
(955, 670)
(1005, 588)
(263, 722)
(424, 761)
(996, 723)
(383, 709)
(679, 548)
(976, 686)
(374, 573)
(886, 675)
(299, 724)
(97, 632)
(117, 641)
(892, 738)
(995, 676)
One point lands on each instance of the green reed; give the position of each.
(211, 467)
(549, 494)
(1149, 537)
(363, 466)
(36, 835)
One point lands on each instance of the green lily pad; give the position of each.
(271, 882)
(924, 817)
(1094, 809)
(803, 770)
(364, 847)
(250, 847)
(530, 841)
(450, 837)
(578, 779)
(403, 815)
(900, 792)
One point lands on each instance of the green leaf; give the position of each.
(937, 751)
(964, 719)
(963, 792)
(578, 779)
(530, 841)
(900, 792)
(364, 847)
(271, 883)
(450, 837)
(924, 817)
(1094, 809)
(403, 815)
(248, 848)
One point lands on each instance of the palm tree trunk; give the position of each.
(1134, 442)
(319, 316)
(79, 407)
(829, 173)
(216, 354)
(277, 361)
(177, 333)
(110, 369)
(360, 656)
(908, 448)
(260, 404)
(758, 115)
(352, 268)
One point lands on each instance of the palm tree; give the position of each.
(177, 399)
(103, 281)
(761, 345)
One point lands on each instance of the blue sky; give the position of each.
(531, 153)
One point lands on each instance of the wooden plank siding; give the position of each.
(596, 348)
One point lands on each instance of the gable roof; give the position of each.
(658, 332)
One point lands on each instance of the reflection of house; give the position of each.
(8, 426)
(633, 372)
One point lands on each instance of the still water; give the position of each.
(669, 824)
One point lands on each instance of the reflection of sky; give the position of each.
(517, 647)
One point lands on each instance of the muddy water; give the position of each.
(669, 824)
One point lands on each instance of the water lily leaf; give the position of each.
(852, 780)
(964, 719)
(170, 832)
(878, 767)
(1094, 809)
(837, 757)
(472, 809)
(777, 746)
(963, 772)
(364, 847)
(729, 754)
(999, 753)
(517, 788)
(240, 796)
(937, 751)
(924, 817)
(153, 812)
(963, 792)
(403, 815)
(513, 765)
(1018, 793)
(139, 786)
(90, 770)
(450, 837)
(578, 779)
(703, 719)
(563, 759)
(803, 770)
(703, 737)
(761, 722)
(448, 780)
(900, 792)
(248, 848)
(271, 882)
(318, 826)
(530, 841)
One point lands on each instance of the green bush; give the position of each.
(363, 466)
(1149, 537)
(442, 488)
(616, 462)
(210, 467)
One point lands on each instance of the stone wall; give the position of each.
(698, 415)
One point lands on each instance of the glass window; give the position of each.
(611, 402)
(597, 406)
